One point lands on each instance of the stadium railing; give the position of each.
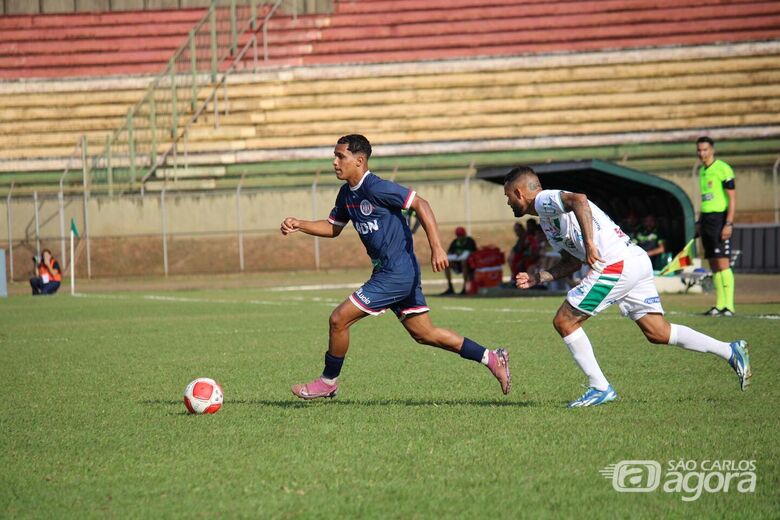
(132, 151)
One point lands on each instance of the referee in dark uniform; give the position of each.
(716, 223)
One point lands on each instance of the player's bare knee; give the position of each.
(561, 324)
(336, 321)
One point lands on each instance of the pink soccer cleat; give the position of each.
(498, 364)
(316, 389)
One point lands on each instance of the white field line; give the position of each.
(330, 302)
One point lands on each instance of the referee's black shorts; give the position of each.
(711, 227)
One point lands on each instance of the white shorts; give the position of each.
(629, 283)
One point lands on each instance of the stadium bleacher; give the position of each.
(548, 82)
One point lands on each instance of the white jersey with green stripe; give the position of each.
(564, 233)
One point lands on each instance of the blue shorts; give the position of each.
(399, 292)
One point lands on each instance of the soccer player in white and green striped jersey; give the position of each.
(620, 272)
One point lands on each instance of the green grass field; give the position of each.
(93, 423)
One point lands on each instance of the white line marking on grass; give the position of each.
(207, 300)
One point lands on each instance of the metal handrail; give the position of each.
(212, 97)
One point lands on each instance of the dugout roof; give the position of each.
(617, 190)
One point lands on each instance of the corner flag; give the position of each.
(74, 229)
(74, 232)
(684, 258)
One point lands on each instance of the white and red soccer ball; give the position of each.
(203, 395)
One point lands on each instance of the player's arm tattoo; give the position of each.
(567, 265)
(578, 203)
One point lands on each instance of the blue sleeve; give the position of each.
(392, 195)
(339, 215)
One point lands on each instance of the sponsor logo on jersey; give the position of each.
(364, 228)
(366, 208)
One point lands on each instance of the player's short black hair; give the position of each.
(515, 173)
(356, 143)
(706, 139)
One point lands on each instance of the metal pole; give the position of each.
(174, 102)
(10, 232)
(131, 147)
(774, 190)
(467, 196)
(213, 24)
(265, 42)
(239, 224)
(109, 166)
(37, 225)
(153, 129)
(164, 220)
(194, 64)
(253, 10)
(314, 217)
(233, 29)
(72, 267)
(61, 201)
(85, 187)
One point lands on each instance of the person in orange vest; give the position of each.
(49, 275)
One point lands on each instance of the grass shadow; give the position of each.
(296, 403)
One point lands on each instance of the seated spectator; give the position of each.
(525, 253)
(48, 274)
(630, 224)
(457, 254)
(648, 239)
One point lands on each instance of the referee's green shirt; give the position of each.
(713, 194)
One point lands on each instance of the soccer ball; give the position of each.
(203, 395)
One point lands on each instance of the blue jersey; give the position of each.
(374, 206)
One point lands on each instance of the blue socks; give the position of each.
(472, 350)
(332, 366)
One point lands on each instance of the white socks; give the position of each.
(582, 352)
(486, 357)
(689, 339)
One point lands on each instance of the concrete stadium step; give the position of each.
(479, 103)
(47, 48)
(632, 34)
(181, 185)
(101, 19)
(99, 33)
(97, 44)
(56, 98)
(514, 17)
(531, 77)
(436, 12)
(194, 172)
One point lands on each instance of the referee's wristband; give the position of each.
(728, 223)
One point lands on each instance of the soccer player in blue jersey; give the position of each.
(375, 206)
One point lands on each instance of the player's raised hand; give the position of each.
(525, 280)
(290, 225)
(439, 259)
